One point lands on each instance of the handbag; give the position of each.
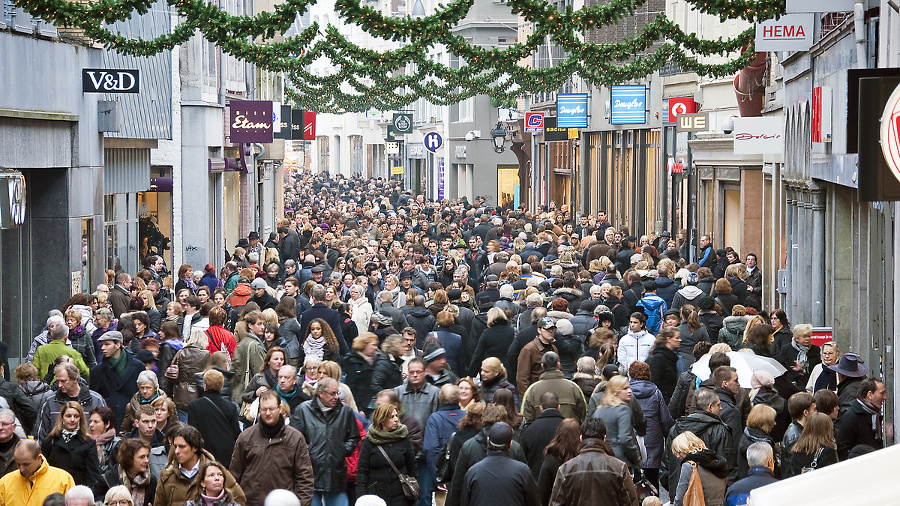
(814, 464)
(693, 496)
(410, 485)
(173, 369)
(643, 487)
(246, 408)
(444, 470)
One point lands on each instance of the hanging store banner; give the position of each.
(534, 122)
(754, 136)
(309, 126)
(251, 121)
(402, 123)
(553, 132)
(283, 120)
(794, 6)
(12, 199)
(681, 105)
(628, 105)
(791, 32)
(697, 122)
(571, 110)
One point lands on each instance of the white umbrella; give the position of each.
(746, 364)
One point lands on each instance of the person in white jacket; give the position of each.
(362, 310)
(636, 344)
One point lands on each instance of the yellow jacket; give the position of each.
(17, 490)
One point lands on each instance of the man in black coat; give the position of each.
(114, 380)
(421, 319)
(215, 417)
(499, 479)
(537, 435)
(21, 405)
(861, 424)
(725, 379)
(260, 296)
(288, 245)
(320, 310)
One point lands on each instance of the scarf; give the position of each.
(148, 401)
(271, 431)
(138, 487)
(381, 437)
(285, 396)
(210, 501)
(271, 379)
(190, 284)
(67, 435)
(101, 440)
(872, 411)
(709, 461)
(314, 347)
(801, 354)
(118, 364)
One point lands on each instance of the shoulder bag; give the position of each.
(693, 496)
(814, 464)
(247, 413)
(444, 469)
(410, 485)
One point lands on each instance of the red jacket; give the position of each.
(219, 336)
(353, 459)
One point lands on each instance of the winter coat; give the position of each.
(788, 355)
(498, 479)
(659, 420)
(113, 477)
(800, 460)
(261, 464)
(727, 302)
(494, 342)
(571, 349)
(739, 493)
(684, 296)
(376, 477)
(664, 372)
(359, 374)
(20, 403)
(782, 338)
(732, 332)
(620, 433)
(749, 436)
(332, 437)
(192, 359)
(666, 289)
(782, 417)
(216, 417)
(571, 400)
(689, 339)
(621, 312)
(678, 402)
(290, 331)
(528, 368)
(387, 372)
(419, 404)
(78, 457)
(655, 308)
(47, 353)
(453, 347)
(362, 313)
(714, 433)
(472, 452)
(37, 391)
(83, 343)
(593, 474)
(249, 355)
(587, 383)
(583, 324)
(421, 319)
(440, 427)
(489, 388)
(634, 347)
(174, 489)
(571, 295)
(331, 317)
(536, 436)
(856, 429)
(730, 413)
(117, 390)
(225, 392)
(17, 490)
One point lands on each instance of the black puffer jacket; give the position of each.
(375, 476)
(663, 364)
(713, 432)
(331, 437)
(387, 373)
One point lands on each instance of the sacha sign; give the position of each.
(791, 32)
(250, 121)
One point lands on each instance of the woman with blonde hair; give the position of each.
(712, 470)
(753, 320)
(615, 411)
(333, 370)
(760, 423)
(150, 308)
(492, 378)
(69, 446)
(822, 376)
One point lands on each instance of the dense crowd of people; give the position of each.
(379, 348)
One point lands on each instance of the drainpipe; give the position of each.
(859, 27)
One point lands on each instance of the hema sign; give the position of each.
(628, 105)
(791, 32)
(571, 110)
(110, 81)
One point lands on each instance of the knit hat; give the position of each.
(432, 352)
(692, 279)
(564, 327)
(258, 283)
(762, 378)
(705, 302)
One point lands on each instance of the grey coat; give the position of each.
(620, 433)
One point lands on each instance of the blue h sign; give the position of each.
(433, 141)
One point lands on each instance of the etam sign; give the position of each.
(110, 81)
(791, 32)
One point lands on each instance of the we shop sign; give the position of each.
(791, 32)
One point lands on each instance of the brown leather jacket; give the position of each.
(591, 474)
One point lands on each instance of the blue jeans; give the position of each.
(426, 481)
(182, 415)
(330, 499)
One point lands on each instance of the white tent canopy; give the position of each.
(869, 479)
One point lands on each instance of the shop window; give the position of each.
(508, 186)
(120, 213)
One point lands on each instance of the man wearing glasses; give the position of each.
(8, 441)
(271, 455)
(330, 429)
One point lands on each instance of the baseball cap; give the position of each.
(546, 323)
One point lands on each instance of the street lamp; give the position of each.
(498, 135)
(418, 10)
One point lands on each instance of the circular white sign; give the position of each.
(890, 132)
(679, 108)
